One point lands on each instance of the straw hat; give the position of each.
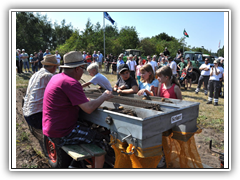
(50, 60)
(73, 59)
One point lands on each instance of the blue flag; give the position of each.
(107, 16)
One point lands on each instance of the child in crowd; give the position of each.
(98, 78)
(169, 86)
(183, 74)
(138, 74)
(34, 62)
(148, 84)
(126, 84)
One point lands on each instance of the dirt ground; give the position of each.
(29, 151)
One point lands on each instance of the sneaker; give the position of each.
(216, 104)
(162, 162)
(209, 102)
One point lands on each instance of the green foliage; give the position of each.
(220, 52)
(128, 37)
(35, 32)
(92, 39)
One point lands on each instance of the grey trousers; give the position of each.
(202, 79)
(213, 87)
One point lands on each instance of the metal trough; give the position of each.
(146, 129)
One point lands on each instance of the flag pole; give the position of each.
(183, 42)
(104, 35)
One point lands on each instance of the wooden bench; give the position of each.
(83, 151)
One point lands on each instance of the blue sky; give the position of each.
(204, 28)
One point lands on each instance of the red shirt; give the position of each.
(88, 60)
(61, 98)
(168, 93)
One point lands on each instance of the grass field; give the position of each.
(209, 116)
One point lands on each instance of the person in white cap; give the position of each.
(214, 84)
(33, 100)
(25, 61)
(132, 65)
(62, 101)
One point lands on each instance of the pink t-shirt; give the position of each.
(61, 98)
(138, 70)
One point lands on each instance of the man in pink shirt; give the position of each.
(63, 98)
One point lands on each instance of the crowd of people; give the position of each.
(181, 73)
(24, 61)
(53, 101)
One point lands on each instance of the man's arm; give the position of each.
(86, 84)
(90, 106)
(132, 90)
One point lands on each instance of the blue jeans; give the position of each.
(34, 68)
(26, 64)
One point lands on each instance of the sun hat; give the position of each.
(73, 59)
(123, 67)
(130, 55)
(161, 54)
(50, 60)
(23, 50)
(215, 62)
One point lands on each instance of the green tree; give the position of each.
(35, 32)
(147, 47)
(220, 52)
(61, 33)
(128, 37)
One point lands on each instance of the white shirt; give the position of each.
(100, 57)
(131, 65)
(221, 72)
(214, 76)
(33, 102)
(173, 66)
(102, 81)
(58, 58)
(84, 56)
(203, 72)
(153, 64)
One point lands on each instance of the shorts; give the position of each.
(189, 76)
(79, 134)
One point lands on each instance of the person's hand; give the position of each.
(141, 92)
(122, 87)
(119, 91)
(107, 94)
(152, 88)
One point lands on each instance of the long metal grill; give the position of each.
(126, 101)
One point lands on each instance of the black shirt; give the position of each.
(166, 53)
(129, 83)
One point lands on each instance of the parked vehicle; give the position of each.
(134, 52)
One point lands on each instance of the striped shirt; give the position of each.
(33, 102)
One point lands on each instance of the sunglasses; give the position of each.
(84, 68)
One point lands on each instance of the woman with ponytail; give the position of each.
(168, 87)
